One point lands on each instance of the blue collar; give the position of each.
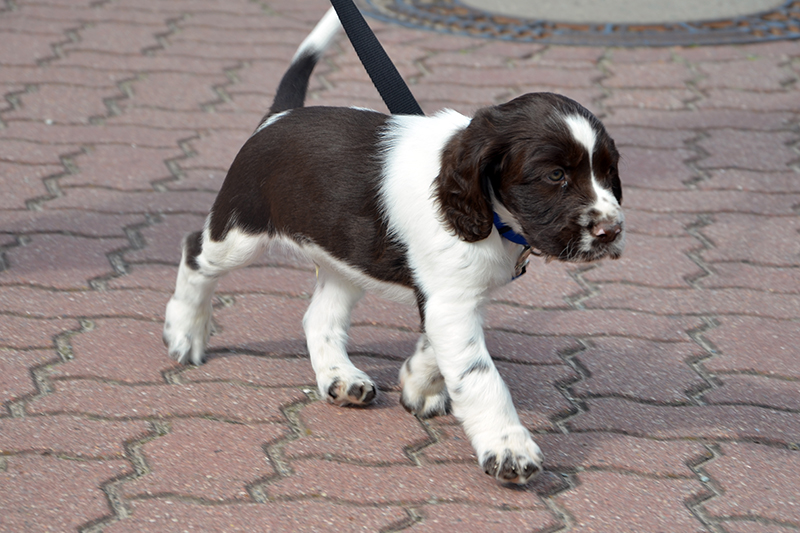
(507, 233)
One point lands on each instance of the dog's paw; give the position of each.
(424, 393)
(347, 387)
(514, 457)
(423, 406)
(186, 332)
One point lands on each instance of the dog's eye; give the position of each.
(556, 175)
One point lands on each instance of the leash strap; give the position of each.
(384, 74)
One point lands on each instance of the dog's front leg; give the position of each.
(480, 398)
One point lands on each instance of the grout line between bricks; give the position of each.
(40, 374)
(711, 489)
(119, 508)
(274, 451)
(413, 517)
(578, 406)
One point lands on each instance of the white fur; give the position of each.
(272, 119)
(456, 277)
(321, 36)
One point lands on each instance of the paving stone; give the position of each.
(119, 202)
(748, 101)
(129, 66)
(646, 75)
(216, 150)
(543, 285)
(758, 481)
(168, 516)
(533, 389)
(69, 436)
(63, 104)
(702, 121)
(642, 370)
(693, 302)
(26, 49)
(163, 240)
(128, 351)
(117, 38)
(748, 74)
(770, 241)
(751, 344)
(516, 348)
(16, 380)
(158, 90)
(128, 167)
(742, 275)
(27, 333)
(652, 261)
(37, 302)
(468, 518)
(590, 323)
(46, 493)
(626, 136)
(68, 221)
(34, 153)
(95, 135)
(713, 202)
(416, 485)
(655, 169)
(713, 422)
(377, 435)
(254, 370)
(748, 150)
(651, 99)
(367, 341)
(373, 310)
(664, 224)
(254, 279)
(753, 526)
(610, 501)
(749, 180)
(206, 459)
(756, 390)
(225, 401)
(51, 261)
(271, 325)
(605, 451)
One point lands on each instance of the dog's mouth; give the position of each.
(583, 246)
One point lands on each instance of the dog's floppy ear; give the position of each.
(462, 184)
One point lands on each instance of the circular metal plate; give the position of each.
(455, 16)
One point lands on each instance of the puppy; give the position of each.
(434, 211)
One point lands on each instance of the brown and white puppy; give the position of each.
(404, 206)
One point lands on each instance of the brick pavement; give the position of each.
(664, 388)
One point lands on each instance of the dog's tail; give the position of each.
(294, 84)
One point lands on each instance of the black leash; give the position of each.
(381, 70)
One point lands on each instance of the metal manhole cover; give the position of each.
(600, 22)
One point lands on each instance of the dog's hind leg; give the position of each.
(424, 391)
(326, 324)
(204, 261)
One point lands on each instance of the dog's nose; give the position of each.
(607, 231)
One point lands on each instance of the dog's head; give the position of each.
(547, 166)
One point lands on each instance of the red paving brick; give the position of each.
(610, 501)
(167, 516)
(206, 459)
(746, 473)
(642, 379)
(42, 493)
